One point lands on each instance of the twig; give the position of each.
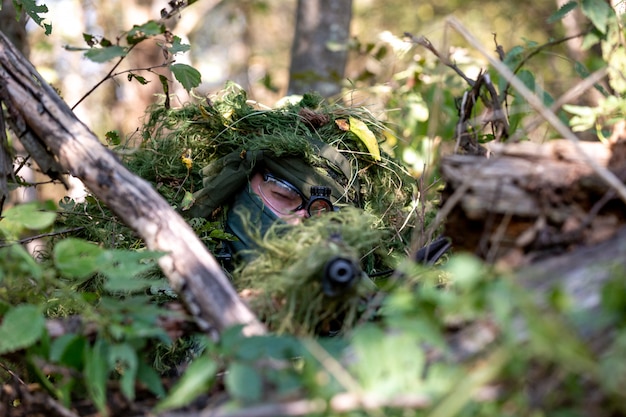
(570, 95)
(536, 103)
(535, 52)
(428, 45)
(105, 78)
(39, 236)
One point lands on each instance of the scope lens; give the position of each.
(319, 206)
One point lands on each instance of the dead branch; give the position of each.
(423, 41)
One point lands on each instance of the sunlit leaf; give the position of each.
(21, 327)
(366, 136)
(466, 270)
(387, 364)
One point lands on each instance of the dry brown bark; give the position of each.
(527, 201)
(57, 138)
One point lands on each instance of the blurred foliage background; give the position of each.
(249, 42)
(403, 85)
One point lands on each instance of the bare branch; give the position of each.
(444, 59)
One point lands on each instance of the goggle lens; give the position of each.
(284, 198)
(281, 196)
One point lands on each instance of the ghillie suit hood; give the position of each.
(224, 140)
(231, 173)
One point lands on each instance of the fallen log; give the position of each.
(62, 142)
(526, 201)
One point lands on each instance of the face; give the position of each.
(282, 198)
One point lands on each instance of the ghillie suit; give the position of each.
(307, 278)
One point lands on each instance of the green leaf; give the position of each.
(122, 266)
(33, 10)
(244, 382)
(113, 137)
(381, 367)
(187, 202)
(121, 263)
(563, 10)
(68, 350)
(188, 76)
(267, 346)
(21, 327)
(123, 358)
(466, 270)
(584, 117)
(514, 56)
(90, 39)
(527, 78)
(76, 258)
(151, 379)
(28, 216)
(177, 46)
(105, 54)
(139, 33)
(142, 80)
(117, 284)
(196, 380)
(592, 38)
(598, 11)
(166, 90)
(96, 374)
(17, 262)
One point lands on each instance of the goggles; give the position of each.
(284, 198)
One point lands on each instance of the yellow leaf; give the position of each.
(186, 158)
(361, 130)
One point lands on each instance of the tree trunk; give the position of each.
(319, 51)
(36, 111)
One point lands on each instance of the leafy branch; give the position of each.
(103, 50)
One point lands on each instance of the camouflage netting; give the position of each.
(284, 283)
